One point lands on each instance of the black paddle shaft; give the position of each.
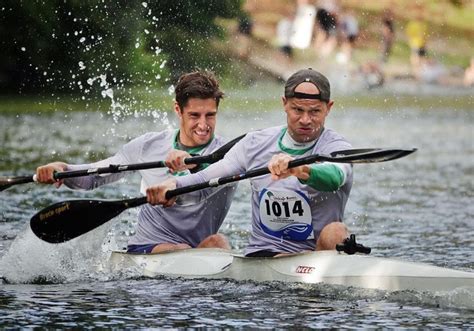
(114, 168)
(6, 182)
(368, 155)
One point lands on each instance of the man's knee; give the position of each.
(331, 235)
(215, 241)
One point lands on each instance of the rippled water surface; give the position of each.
(418, 208)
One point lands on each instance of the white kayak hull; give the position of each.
(313, 267)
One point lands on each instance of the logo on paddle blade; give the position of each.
(302, 269)
(55, 211)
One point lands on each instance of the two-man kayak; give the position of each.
(328, 267)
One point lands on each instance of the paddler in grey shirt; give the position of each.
(193, 222)
(293, 210)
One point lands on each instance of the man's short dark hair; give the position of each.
(197, 84)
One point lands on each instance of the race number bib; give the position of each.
(286, 214)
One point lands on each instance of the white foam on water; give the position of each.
(459, 298)
(31, 260)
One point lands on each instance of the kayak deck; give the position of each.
(313, 267)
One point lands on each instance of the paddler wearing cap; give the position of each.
(297, 209)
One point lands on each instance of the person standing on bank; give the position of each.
(192, 222)
(297, 209)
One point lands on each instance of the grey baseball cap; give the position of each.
(312, 76)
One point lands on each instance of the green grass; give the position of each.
(261, 97)
(387, 102)
(44, 104)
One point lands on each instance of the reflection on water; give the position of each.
(418, 208)
(195, 303)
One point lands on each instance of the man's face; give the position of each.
(197, 121)
(305, 117)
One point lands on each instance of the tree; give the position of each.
(185, 29)
(71, 44)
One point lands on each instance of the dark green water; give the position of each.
(418, 208)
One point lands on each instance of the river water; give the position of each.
(418, 208)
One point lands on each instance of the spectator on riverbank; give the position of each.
(349, 28)
(388, 34)
(417, 33)
(284, 32)
(372, 75)
(326, 28)
(303, 24)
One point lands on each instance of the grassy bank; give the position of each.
(261, 96)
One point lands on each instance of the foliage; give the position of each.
(184, 28)
(77, 45)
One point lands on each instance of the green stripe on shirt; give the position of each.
(292, 151)
(325, 177)
(191, 150)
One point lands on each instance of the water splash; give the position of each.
(118, 110)
(94, 76)
(30, 260)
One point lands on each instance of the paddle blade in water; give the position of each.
(66, 220)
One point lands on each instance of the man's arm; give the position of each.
(45, 174)
(129, 153)
(325, 177)
(231, 164)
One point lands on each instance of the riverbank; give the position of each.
(449, 48)
(156, 101)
